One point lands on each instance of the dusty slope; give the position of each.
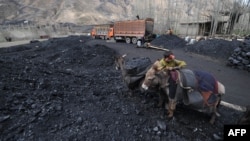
(103, 11)
(65, 11)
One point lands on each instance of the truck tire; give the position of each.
(128, 40)
(134, 40)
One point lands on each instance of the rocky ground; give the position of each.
(68, 89)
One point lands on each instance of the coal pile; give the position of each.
(215, 48)
(169, 42)
(57, 90)
(240, 57)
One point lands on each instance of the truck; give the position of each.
(130, 31)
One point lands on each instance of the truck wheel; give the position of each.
(128, 40)
(134, 40)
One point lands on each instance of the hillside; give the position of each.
(65, 11)
(103, 11)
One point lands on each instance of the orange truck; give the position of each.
(130, 31)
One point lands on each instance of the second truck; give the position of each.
(130, 31)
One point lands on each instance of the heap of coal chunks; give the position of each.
(240, 57)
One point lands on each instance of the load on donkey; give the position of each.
(133, 71)
(199, 90)
(133, 74)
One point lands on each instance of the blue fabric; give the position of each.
(206, 81)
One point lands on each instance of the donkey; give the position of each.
(190, 90)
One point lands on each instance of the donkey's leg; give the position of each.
(161, 100)
(162, 97)
(172, 97)
(171, 107)
(212, 119)
(214, 110)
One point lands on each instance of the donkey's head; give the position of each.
(155, 78)
(150, 79)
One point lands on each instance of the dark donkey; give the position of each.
(132, 73)
(196, 89)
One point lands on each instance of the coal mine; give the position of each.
(68, 89)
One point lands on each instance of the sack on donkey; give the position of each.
(193, 98)
(136, 69)
(188, 79)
